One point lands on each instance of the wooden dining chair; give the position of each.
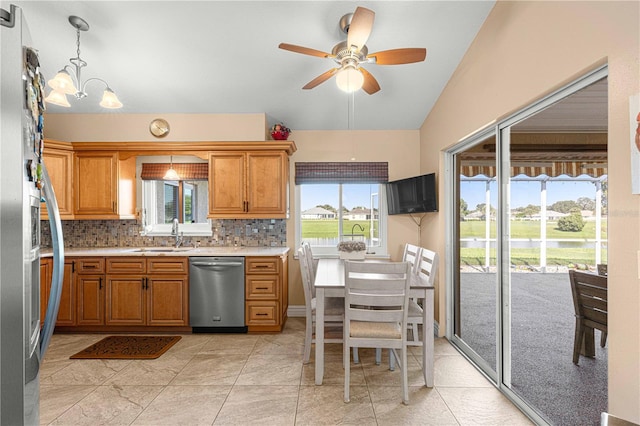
(426, 270)
(334, 307)
(412, 255)
(376, 300)
(590, 304)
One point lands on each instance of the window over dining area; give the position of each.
(341, 202)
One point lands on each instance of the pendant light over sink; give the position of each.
(171, 173)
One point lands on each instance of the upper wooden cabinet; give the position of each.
(104, 186)
(58, 158)
(249, 184)
(95, 183)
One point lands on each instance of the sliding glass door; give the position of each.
(528, 203)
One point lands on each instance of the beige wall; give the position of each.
(399, 148)
(524, 50)
(122, 127)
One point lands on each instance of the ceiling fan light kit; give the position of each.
(63, 83)
(352, 53)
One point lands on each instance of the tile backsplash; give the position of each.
(126, 233)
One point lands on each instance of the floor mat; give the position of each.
(128, 347)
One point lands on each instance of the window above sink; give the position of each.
(163, 200)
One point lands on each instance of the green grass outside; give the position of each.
(475, 229)
(530, 229)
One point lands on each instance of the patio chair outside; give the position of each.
(590, 304)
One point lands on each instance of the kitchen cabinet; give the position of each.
(90, 280)
(147, 291)
(248, 184)
(104, 186)
(95, 183)
(267, 293)
(67, 309)
(58, 158)
(46, 267)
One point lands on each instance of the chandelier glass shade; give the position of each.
(68, 81)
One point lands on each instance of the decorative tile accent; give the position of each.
(126, 233)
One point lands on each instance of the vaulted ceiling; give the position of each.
(223, 57)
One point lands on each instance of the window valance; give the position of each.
(347, 172)
(186, 171)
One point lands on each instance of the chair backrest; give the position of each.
(602, 268)
(590, 298)
(307, 284)
(377, 292)
(427, 267)
(311, 265)
(411, 254)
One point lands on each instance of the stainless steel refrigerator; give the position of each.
(24, 182)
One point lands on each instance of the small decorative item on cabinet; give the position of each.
(352, 250)
(280, 132)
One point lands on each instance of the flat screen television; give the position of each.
(412, 195)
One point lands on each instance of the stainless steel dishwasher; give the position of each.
(216, 294)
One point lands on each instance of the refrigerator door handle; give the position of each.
(58, 261)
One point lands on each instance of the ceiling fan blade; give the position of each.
(321, 78)
(370, 84)
(360, 27)
(399, 56)
(305, 50)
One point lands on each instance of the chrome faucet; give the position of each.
(175, 231)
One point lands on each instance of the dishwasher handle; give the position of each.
(216, 263)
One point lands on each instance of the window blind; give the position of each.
(186, 171)
(347, 172)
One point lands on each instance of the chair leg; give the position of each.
(392, 361)
(405, 378)
(356, 358)
(577, 341)
(308, 335)
(347, 370)
(378, 356)
(603, 338)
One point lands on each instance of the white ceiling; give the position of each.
(223, 57)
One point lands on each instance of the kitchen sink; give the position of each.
(162, 249)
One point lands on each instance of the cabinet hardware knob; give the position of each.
(100, 283)
(262, 315)
(262, 288)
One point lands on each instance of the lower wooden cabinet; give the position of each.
(90, 291)
(67, 309)
(147, 298)
(266, 292)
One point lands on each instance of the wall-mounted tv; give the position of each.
(412, 195)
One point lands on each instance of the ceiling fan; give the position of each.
(352, 53)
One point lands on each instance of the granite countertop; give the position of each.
(170, 251)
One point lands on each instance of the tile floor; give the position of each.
(215, 379)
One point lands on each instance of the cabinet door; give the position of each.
(59, 164)
(90, 299)
(96, 185)
(67, 310)
(227, 183)
(167, 301)
(46, 265)
(266, 188)
(125, 300)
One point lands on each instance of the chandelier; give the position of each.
(68, 81)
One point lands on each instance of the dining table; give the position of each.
(329, 282)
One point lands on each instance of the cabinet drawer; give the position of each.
(177, 265)
(91, 265)
(126, 265)
(262, 265)
(262, 313)
(262, 286)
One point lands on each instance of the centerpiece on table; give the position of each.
(280, 132)
(352, 250)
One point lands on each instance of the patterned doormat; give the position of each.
(128, 347)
